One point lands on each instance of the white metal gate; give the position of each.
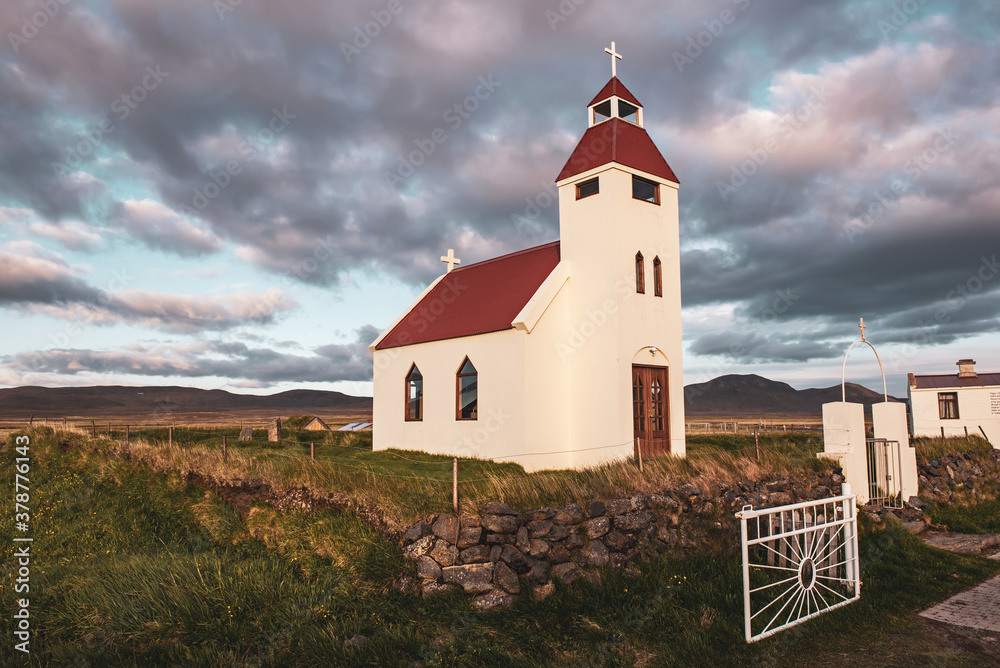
(799, 561)
(885, 473)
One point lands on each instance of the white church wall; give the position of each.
(548, 423)
(977, 407)
(611, 321)
(499, 430)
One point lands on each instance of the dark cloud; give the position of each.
(262, 137)
(234, 361)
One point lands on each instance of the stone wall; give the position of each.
(970, 475)
(496, 552)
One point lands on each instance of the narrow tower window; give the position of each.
(640, 274)
(657, 277)
(645, 190)
(587, 188)
(414, 395)
(467, 392)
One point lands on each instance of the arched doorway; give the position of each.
(651, 403)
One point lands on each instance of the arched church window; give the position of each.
(657, 277)
(414, 395)
(640, 274)
(467, 392)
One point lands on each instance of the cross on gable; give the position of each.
(615, 57)
(450, 259)
(862, 325)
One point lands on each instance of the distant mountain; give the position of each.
(119, 401)
(755, 396)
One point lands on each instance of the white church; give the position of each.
(565, 355)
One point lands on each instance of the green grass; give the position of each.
(135, 567)
(406, 485)
(983, 517)
(929, 448)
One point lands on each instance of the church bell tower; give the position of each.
(618, 223)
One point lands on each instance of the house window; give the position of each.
(948, 405)
(640, 274)
(414, 395)
(645, 190)
(657, 277)
(467, 392)
(587, 188)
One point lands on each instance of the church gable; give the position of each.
(476, 299)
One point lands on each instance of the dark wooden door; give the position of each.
(650, 410)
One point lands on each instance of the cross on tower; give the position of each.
(615, 57)
(862, 325)
(450, 259)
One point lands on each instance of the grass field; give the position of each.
(135, 567)
(407, 485)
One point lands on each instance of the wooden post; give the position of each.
(638, 449)
(64, 420)
(312, 452)
(93, 429)
(31, 421)
(126, 435)
(170, 436)
(109, 430)
(225, 449)
(756, 442)
(454, 485)
(967, 433)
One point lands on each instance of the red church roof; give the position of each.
(615, 140)
(615, 87)
(476, 299)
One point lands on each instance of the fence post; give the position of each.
(170, 436)
(93, 429)
(126, 435)
(454, 484)
(756, 442)
(849, 555)
(312, 452)
(64, 423)
(225, 449)
(638, 450)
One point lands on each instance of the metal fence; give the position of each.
(885, 473)
(799, 561)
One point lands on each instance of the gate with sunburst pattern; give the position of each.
(799, 561)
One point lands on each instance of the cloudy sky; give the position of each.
(242, 194)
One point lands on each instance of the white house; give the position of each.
(563, 355)
(959, 404)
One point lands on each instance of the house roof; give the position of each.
(617, 140)
(952, 380)
(615, 87)
(475, 299)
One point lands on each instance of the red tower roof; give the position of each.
(615, 87)
(616, 140)
(476, 299)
